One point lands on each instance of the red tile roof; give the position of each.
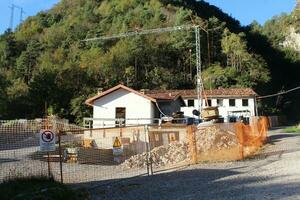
(163, 95)
(154, 95)
(191, 93)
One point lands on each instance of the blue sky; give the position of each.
(243, 10)
(248, 10)
(31, 7)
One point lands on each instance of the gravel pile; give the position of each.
(213, 138)
(174, 153)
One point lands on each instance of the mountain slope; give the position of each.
(272, 42)
(45, 60)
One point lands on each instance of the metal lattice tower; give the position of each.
(163, 30)
(12, 7)
(21, 14)
(198, 65)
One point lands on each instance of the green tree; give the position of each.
(250, 68)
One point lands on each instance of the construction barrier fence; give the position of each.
(101, 155)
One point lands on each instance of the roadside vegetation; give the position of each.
(293, 129)
(39, 188)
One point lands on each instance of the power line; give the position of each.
(279, 93)
(141, 32)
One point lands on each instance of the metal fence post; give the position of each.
(147, 148)
(46, 126)
(60, 156)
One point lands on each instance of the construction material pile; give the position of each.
(214, 138)
(173, 153)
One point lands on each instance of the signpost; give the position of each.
(47, 140)
(47, 144)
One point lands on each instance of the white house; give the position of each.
(232, 102)
(131, 107)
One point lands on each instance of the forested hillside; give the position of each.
(46, 61)
(277, 42)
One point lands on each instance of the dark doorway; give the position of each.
(120, 116)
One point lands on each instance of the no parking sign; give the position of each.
(47, 140)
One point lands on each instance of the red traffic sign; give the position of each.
(47, 136)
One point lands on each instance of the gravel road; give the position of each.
(17, 163)
(273, 174)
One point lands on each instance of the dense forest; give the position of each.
(45, 62)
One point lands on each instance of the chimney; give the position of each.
(99, 90)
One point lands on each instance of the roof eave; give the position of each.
(91, 100)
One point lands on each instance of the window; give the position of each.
(209, 102)
(120, 116)
(220, 102)
(231, 102)
(190, 102)
(245, 102)
(232, 119)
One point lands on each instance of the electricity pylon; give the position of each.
(12, 7)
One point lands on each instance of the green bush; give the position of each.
(293, 129)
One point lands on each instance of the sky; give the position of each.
(243, 10)
(246, 11)
(31, 7)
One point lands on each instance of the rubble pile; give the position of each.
(208, 139)
(213, 138)
(174, 153)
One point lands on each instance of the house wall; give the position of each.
(225, 109)
(136, 107)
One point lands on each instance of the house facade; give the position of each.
(121, 105)
(232, 103)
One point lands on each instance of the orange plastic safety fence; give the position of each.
(251, 137)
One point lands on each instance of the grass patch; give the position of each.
(39, 188)
(293, 129)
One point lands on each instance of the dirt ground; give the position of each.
(273, 174)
